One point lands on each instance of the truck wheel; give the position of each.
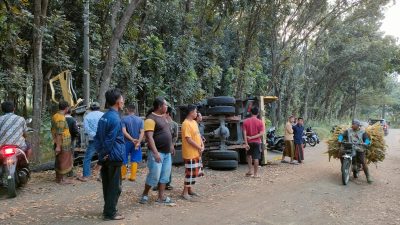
(223, 164)
(221, 101)
(223, 155)
(222, 110)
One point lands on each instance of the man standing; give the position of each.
(289, 144)
(13, 128)
(159, 141)
(192, 148)
(132, 127)
(110, 145)
(62, 143)
(253, 130)
(90, 123)
(74, 131)
(174, 132)
(298, 131)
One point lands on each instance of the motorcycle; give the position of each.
(14, 168)
(348, 163)
(274, 142)
(311, 137)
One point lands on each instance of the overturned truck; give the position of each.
(223, 118)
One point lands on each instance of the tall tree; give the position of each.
(40, 12)
(113, 47)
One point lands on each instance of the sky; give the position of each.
(391, 23)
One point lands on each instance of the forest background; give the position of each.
(326, 60)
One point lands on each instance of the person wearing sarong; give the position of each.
(298, 131)
(62, 143)
(192, 147)
(289, 144)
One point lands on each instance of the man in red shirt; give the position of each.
(253, 130)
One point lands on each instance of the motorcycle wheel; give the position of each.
(311, 142)
(279, 146)
(11, 187)
(346, 171)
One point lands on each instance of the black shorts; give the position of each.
(255, 150)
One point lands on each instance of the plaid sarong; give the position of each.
(193, 169)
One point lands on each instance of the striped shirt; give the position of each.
(12, 129)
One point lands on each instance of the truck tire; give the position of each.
(222, 110)
(223, 155)
(221, 101)
(223, 164)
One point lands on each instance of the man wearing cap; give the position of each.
(90, 125)
(358, 136)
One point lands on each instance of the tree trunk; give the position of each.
(40, 8)
(113, 49)
(86, 73)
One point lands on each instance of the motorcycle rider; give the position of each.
(356, 135)
(13, 128)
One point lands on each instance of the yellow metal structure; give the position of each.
(67, 90)
(265, 100)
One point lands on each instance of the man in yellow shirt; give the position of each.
(192, 147)
(62, 143)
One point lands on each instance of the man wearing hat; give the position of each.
(90, 122)
(357, 136)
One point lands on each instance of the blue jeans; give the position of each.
(90, 151)
(158, 172)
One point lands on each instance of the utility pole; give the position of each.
(86, 74)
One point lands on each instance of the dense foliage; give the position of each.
(325, 60)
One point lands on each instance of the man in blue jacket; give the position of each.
(298, 131)
(110, 145)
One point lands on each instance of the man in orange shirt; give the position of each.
(192, 147)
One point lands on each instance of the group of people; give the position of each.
(294, 146)
(117, 141)
(118, 144)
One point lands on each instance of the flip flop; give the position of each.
(249, 174)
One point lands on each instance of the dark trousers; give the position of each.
(111, 179)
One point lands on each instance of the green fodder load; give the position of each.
(376, 151)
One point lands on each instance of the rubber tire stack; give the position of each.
(223, 160)
(221, 105)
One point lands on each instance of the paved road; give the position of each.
(286, 194)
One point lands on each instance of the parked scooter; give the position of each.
(274, 142)
(14, 168)
(311, 137)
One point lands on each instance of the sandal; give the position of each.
(166, 201)
(194, 194)
(144, 199)
(186, 197)
(249, 174)
(284, 161)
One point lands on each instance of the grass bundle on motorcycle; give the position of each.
(376, 151)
